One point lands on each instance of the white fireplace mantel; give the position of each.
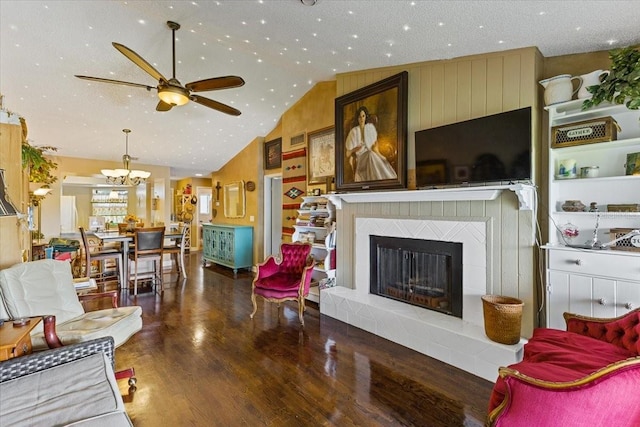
(525, 193)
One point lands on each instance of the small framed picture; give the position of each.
(273, 154)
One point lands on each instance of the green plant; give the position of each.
(40, 167)
(622, 85)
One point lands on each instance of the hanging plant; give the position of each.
(622, 85)
(34, 158)
(40, 167)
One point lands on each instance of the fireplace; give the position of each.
(421, 272)
(494, 260)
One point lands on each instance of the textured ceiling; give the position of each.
(280, 47)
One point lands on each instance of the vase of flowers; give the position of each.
(131, 221)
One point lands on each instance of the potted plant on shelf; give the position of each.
(622, 85)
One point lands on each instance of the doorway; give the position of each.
(272, 214)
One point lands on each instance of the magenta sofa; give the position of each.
(588, 375)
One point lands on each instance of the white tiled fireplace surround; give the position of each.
(458, 342)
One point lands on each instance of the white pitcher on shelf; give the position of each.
(560, 88)
(591, 79)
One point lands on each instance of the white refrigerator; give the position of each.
(68, 215)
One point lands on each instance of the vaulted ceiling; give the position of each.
(281, 48)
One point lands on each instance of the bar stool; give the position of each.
(101, 256)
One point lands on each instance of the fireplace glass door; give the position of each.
(426, 273)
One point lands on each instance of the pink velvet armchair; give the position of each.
(588, 375)
(286, 277)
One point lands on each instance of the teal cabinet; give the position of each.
(228, 245)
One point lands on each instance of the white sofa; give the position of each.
(45, 287)
(68, 386)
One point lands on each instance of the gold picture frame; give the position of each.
(372, 155)
(321, 155)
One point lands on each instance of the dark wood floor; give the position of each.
(201, 361)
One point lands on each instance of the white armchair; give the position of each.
(45, 288)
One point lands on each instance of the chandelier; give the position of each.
(125, 176)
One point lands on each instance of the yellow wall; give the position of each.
(245, 166)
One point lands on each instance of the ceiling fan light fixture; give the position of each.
(173, 95)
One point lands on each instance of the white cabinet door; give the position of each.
(603, 300)
(628, 297)
(557, 298)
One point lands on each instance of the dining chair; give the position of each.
(148, 245)
(96, 253)
(177, 250)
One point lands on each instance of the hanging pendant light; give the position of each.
(126, 176)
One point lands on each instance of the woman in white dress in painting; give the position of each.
(362, 151)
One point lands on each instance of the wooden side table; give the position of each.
(16, 340)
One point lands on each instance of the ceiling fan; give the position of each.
(170, 91)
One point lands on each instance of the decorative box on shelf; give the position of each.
(631, 243)
(602, 129)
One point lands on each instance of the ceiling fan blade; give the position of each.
(140, 62)
(215, 83)
(163, 106)
(215, 105)
(118, 82)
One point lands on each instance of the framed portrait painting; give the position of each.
(371, 136)
(321, 155)
(273, 154)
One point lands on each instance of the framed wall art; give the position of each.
(321, 156)
(273, 154)
(371, 136)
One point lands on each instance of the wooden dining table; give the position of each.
(125, 239)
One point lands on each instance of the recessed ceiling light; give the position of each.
(406, 27)
(500, 41)
(199, 174)
(440, 24)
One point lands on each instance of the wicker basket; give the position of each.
(502, 318)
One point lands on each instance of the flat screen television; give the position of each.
(494, 149)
